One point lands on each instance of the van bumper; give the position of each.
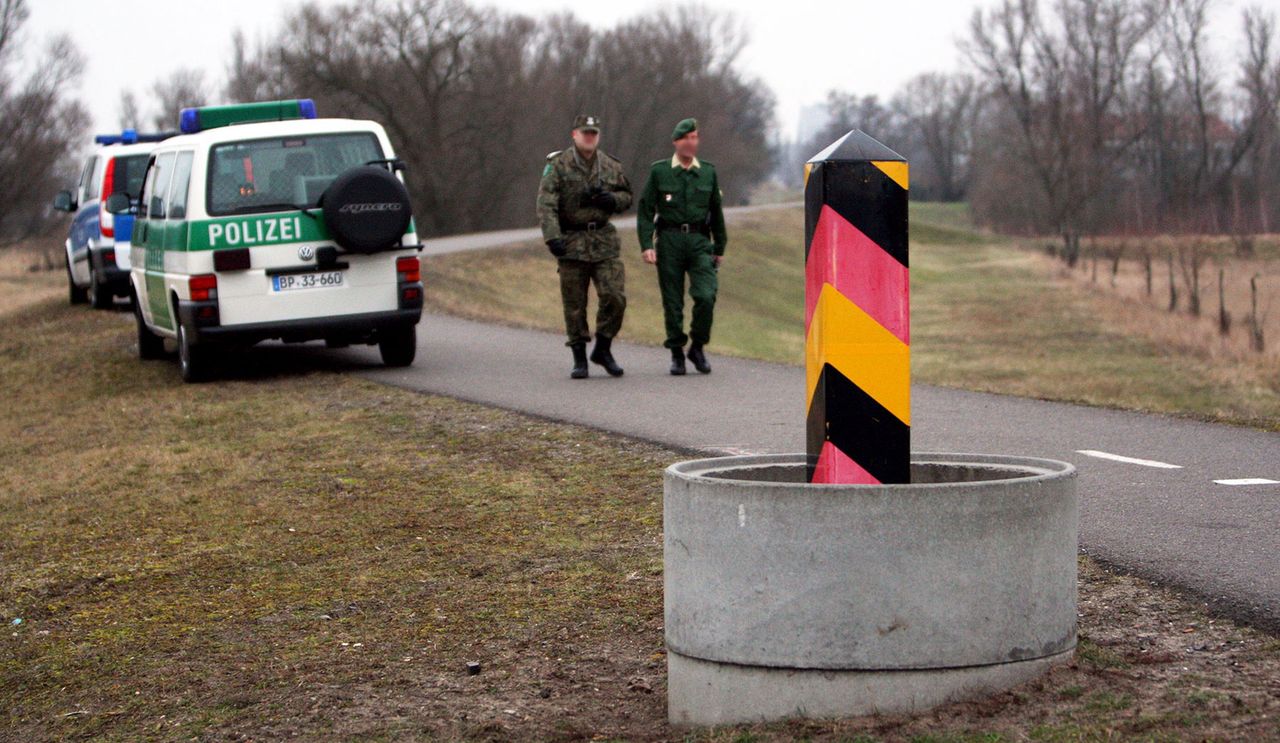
(352, 329)
(111, 278)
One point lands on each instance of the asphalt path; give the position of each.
(1187, 504)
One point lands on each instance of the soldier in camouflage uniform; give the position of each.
(581, 188)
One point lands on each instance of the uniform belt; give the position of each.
(583, 227)
(686, 227)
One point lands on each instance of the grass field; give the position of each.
(295, 552)
(986, 315)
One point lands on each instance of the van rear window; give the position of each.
(128, 174)
(264, 175)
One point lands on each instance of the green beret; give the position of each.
(683, 128)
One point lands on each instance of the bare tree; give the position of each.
(939, 113)
(1184, 30)
(130, 114)
(1256, 149)
(474, 98)
(1064, 83)
(182, 88)
(254, 73)
(39, 125)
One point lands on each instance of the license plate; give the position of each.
(294, 281)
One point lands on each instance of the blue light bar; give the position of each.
(131, 136)
(189, 121)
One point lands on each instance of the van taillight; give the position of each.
(105, 221)
(203, 287)
(408, 270)
(108, 257)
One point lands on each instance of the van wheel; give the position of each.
(75, 294)
(398, 346)
(98, 298)
(193, 360)
(150, 345)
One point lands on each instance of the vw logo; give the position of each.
(306, 253)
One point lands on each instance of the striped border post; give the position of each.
(857, 338)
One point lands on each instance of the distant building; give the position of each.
(813, 119)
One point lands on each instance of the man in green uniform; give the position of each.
(581, 188)
(681, 203)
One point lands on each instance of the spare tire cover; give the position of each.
(366, 209)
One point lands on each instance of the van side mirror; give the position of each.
(64, 202)
(119, 203)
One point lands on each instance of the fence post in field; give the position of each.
(857, 341)
(1256, 338)
(1224, 317)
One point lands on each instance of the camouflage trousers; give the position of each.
(609, 277)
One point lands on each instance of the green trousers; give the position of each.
(692, 254)
(609, 276)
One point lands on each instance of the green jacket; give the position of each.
(679, 196)
(564, 209)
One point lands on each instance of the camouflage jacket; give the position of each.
(564, 208)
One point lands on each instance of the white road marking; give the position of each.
(1128, 460)
(742, 515)
(1248, 481)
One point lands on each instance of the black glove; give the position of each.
(605, 200)
(557, 247)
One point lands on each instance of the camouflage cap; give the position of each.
(587, 123)
(683, 128)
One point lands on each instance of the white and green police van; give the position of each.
(262, 222)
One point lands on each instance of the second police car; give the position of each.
(96, 272)
(262, 221)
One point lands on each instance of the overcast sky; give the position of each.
(801, 48)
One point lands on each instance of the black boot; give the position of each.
(699, 359)
(579, 361)
(603, 356)
(677, 362)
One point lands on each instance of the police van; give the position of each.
(96, 271)
(262, 221)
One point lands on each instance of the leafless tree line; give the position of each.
(1075, 117)
(1111, 117)
(40, 125)
(1086, 117)
(931, 121)
(474, 98)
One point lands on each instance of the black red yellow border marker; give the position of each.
(857, 318)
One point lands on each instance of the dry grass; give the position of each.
(30, 273)
(299, 553)
(1149, 316)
